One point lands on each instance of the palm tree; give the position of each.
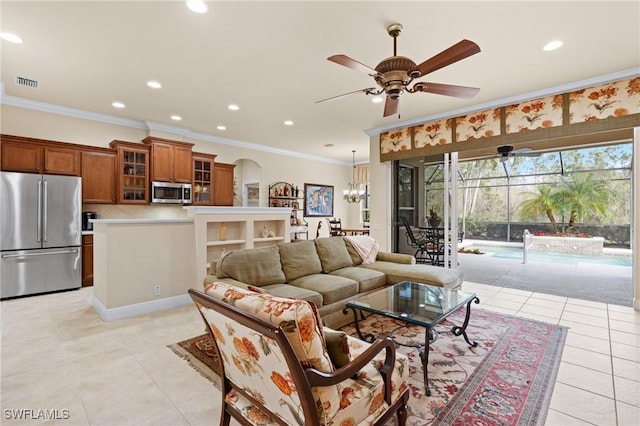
(542, 202)
(582, 195)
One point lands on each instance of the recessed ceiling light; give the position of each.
(377, 100)
(117, 104)
(154, 84)
(221, 128)
(288, 123)
(176, 117)
(552, 45)
(13, 38)
(197, 6)
(233, 107)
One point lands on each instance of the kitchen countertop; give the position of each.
(137, 221)
(87, 232)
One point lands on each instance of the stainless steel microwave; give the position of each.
(167, 192)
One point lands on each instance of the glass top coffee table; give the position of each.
(414, 304)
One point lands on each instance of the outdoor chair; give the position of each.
(417, 241)
(276, 368)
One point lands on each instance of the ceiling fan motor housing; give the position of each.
(395, 74)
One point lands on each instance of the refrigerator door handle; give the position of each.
(46, 213)
(11, 256)
(39, 212)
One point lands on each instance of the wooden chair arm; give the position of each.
(318, 378)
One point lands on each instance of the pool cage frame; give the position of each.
(434, 182)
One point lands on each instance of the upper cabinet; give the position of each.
(171, 161)
(223, 184)
(203, 165)
(99, 171)
(132, 172)
(38, 156)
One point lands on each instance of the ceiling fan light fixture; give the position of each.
(377, 99)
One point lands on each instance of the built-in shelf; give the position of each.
(223, 229)
(225, 242)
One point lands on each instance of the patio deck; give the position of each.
(595, 282)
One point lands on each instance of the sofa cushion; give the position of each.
(331, 287)
(355, 257)
(293, 292)
(333, 253)
(368, 279)
(299, 259)
(426, 274)
(258, 266)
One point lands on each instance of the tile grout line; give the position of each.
(613, 373)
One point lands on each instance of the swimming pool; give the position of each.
(508, 252)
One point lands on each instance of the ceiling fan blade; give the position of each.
(455, 53)
(446, 89)
(368, 89)
(390, 106)
(346, 61)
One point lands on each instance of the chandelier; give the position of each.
(355, 191)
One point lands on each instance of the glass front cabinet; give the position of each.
(133, 172)
(203, 179)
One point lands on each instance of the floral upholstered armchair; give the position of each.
(277, 369)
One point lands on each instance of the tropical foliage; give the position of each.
(580, 196)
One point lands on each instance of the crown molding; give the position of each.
(150, 125)
(570, 87)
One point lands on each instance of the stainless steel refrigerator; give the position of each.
(40, 233)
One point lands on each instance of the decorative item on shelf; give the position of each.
(271, 234)
(297, 192)
(295, 205)
(355, 191)
(265, 232)
(286, 190)
(223, 232)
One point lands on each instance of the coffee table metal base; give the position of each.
(430, 336)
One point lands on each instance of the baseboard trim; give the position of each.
(128, 311)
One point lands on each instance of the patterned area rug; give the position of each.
(506, 380)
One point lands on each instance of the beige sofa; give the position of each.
(326, 271)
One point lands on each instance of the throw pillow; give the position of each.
(337, 347)
(299, 259)
(333, 253)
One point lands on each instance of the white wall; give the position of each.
(274, 166)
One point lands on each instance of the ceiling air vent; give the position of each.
(27, 82)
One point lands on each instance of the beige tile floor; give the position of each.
(57, 354)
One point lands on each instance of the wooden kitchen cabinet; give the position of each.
(132, 172)
(39, 156)
(99, 171)
(87, 260)
(203, 165)
(171, 161)
(223, 184)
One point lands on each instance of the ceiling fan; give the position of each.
(394, 75)
(507, 151)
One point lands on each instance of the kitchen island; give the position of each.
(142, 265)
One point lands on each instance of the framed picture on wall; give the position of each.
(318, 200)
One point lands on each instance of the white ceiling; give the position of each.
(270, 58)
